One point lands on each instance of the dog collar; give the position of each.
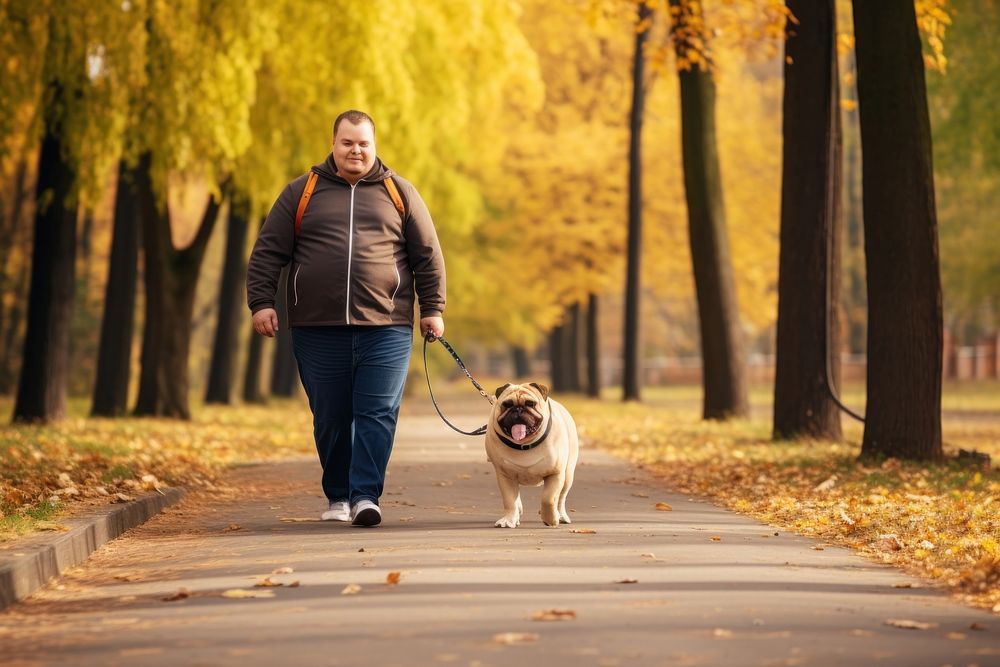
(513, 445)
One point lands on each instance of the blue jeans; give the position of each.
(354, 377)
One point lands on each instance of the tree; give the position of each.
(808, 342)
(723, 365)
(905, 333)
(632, 346)
(118, 321)
(224, 348)
(41, 392)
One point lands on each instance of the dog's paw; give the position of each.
(508, 521)
(564, 518)
(549, 516)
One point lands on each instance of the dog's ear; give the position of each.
(500, 390)
(542, 389)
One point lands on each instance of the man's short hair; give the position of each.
(355, 117)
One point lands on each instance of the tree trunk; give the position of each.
(572, 350)
(41, 392)
(723, 366)
(283, 369)
(521, 361)
(633, 291)
(808, 340)
(12, 320)
(593, 348)
(118, 321)
(171, 277)
(557, 359)
(234, 269)
(252, 392)
(901, 244)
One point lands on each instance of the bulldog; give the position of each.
(531, 439)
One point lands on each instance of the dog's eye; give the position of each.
(508, 404)
(529, 404)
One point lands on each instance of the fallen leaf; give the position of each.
(640, 495)
(826, 485)
(283, 570)
(297, 519)
(351, 589)
(648, 554)
(928, 545)
(181, 594)
(907, 624)
(240, 593)
(294, 584)
(716, 538)
(392, 578)
(121, 498)
(664, 507)
(515, 638)
(818, 547)
(977, 626)
(267, 582)
(234, 526)
(627, 581)
(51, 525)
(905, 584)
(888, 543)
(554, 615)
(955, 635)
(584, 531)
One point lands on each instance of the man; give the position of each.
(358, 242)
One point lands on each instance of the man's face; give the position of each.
(354, 149)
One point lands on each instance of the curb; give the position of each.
(30, 565)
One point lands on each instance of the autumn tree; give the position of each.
(903, 418)
(808, 342)
(83, 74)
(723, 363)
(632, 346)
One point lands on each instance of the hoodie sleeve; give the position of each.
(424, 253)
(272, 250)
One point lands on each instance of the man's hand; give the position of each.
(432, 325)
(265, 322)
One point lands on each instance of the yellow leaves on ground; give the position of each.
(939, 521)
(44, 469)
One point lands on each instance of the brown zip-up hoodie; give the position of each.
(355, 260)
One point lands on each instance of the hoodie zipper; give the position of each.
(350, 255)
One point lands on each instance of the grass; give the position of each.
(46, 471)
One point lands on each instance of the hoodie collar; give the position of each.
(328, 169)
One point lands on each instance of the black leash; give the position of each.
(430, 338)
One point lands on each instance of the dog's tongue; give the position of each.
(518, 431)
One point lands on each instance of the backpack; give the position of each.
(390, 185)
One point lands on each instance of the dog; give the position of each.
(531, 439)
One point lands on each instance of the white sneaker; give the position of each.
(339, 511)
(366, 513)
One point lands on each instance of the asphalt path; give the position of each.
(624, 584)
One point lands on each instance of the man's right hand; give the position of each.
(265, 322)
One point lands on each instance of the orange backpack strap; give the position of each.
(390, 185)
(304, 201)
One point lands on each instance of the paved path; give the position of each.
(711, 587)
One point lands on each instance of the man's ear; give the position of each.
(500, 390)
(542, 389)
